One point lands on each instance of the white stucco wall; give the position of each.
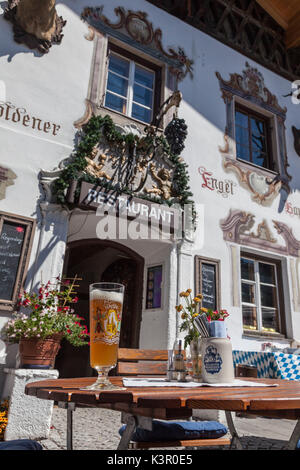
(53, 87)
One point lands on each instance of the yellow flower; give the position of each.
(195, 315)
(183, 316)
(184, 294)
(189, 291)
(203, 309)
(179, 308)
(197, 299)
(199, 296)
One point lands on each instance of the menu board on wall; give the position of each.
(209, 290)
(207, 282)
(11, 247)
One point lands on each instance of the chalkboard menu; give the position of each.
(11, 245)
(207, 282)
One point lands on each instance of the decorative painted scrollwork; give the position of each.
(250, 84)
(137, 26)
(263, 189)
(237, 228)
(263, 184)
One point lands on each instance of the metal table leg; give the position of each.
(131, 425)
(295, 437)
(70, 407)
(132, 422)
(235, 437)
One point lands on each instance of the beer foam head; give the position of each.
(98, 294)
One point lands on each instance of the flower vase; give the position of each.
(195, 347)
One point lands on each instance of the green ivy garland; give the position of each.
(100, 127)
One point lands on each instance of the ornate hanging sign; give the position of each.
(138, 165)
(93, 197)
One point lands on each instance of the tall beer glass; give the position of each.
(106, 303)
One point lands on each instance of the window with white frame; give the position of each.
(260, 289)
(131, 87)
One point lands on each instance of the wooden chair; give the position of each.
(143, 362)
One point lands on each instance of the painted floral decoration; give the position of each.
(51, 313)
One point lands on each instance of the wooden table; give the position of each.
(139, 405)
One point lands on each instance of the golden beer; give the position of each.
(105, 322)
(106, 303)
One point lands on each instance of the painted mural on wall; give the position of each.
(137, 26)
(249, 87)
(244, 228)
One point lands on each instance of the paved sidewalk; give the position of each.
(97, 429)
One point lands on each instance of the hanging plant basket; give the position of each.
(36, 353)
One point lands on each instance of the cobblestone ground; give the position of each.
(97, 429)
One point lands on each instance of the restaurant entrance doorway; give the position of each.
(95, 261)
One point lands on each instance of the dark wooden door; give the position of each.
(126, 272)
(74, 361)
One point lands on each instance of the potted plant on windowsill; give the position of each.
(51, 318)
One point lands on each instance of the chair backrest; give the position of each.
(142, 362)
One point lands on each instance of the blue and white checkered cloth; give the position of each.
(272, 365)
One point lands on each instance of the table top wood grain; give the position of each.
(282, 400)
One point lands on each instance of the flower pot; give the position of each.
(36, 353)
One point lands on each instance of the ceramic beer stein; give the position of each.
(217, 362)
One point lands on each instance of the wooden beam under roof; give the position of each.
(287, 14)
